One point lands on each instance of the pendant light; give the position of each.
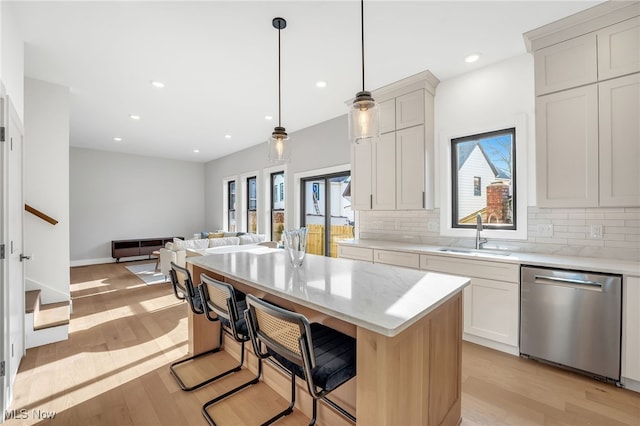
(364, 111)
(279, 145)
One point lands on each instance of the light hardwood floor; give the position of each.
(113, 370)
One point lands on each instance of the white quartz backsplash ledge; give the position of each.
(571, 232)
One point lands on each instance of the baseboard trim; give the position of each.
(512, 350)
(86, 262)
(631, 384)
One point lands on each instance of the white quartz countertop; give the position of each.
(591, 264)
(381, 298)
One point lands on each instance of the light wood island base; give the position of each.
(413, 378)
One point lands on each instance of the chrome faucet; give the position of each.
(479, 241)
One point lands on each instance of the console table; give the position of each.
(408, 326)
(139, 247)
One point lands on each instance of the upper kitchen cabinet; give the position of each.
(565, 65)
(619, 49)
(619, 154)
(587, 76)
(395, 171)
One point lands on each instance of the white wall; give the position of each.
(46, 188)
(474, 102)
(118, 196)
(316, 147)
(12, 57)
(487, 98)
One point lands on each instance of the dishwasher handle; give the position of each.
(568, 282)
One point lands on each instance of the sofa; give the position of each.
(178, 250)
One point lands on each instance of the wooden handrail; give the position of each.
(41, 215)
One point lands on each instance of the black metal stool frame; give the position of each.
(188, 292)
(231, 318)
(306, 357)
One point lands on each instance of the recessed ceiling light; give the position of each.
(134, 117)
(472, 58)
(321, 84)
(268, 117)
(117, 139)
(157, 84)
(196, 151)
(227, 136)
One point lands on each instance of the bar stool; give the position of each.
(228, 305)
(325, 358)
(184, 289)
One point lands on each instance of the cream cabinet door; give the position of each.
(492, 310)
(410, 109)
(565, 65)
(355, 253)
(361, 175)
(567, 148)
(388, 116)
(397, 258)
(410, 168)
(631, 329)
(384, 172)
(619, 49)
(620, 141)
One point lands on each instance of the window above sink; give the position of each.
(502, 143)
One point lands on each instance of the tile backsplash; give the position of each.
(588, 232)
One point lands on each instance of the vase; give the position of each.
(295, 244)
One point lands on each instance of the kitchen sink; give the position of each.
(471, 252)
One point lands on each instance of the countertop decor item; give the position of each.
(363, 112)
(295, 244)
(279, 145)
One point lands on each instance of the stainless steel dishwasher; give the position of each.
(572, 318)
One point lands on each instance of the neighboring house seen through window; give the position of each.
(483, 180)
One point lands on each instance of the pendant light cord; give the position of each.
(279, 87)
(362, 34)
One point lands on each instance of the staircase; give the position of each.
(45, 324)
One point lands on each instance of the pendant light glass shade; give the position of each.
(278, 144)
(364, 112)
(364, 115)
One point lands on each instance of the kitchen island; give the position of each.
(408, 326)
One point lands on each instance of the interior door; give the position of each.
(4, 384)
(15, 208)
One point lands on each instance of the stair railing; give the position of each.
(41, 215)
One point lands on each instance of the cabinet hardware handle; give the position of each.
(370, 201)
(424, 206)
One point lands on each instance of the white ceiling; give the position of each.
(219, 62)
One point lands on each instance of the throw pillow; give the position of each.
(251, 238)
(197, 244)
(179, 244)
(227, 241)
(216, 234)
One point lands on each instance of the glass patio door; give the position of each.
(326, 211)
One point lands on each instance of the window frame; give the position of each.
(280, 192)
(454, 178)
(326, 201)
(248, 199)
(231, 203)
(524, 137)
